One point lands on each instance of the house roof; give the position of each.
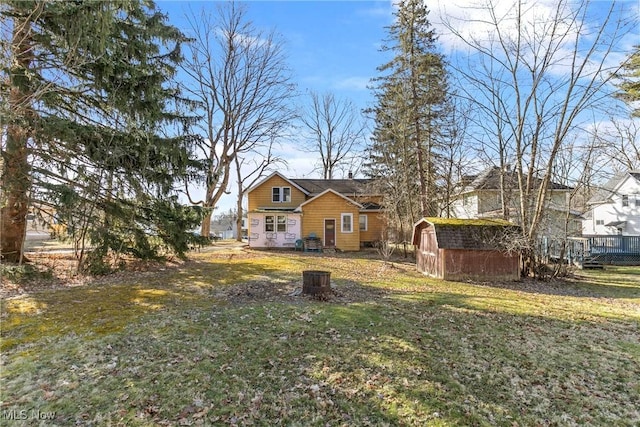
(474, 234)
(290, 181)
(604, 193)
(616, 224)
(371, 206)
(489, 179)
(313, 187)
(344, 186)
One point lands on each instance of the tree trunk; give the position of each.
(15, 179)
(15, 184)
(239, 217)
(205, 229)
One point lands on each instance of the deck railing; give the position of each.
(616, 250)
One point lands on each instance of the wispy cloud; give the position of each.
(352, 83)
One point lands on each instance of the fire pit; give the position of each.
(316, 283)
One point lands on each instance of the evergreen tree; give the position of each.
(392, 163)
(411, 95)
(88, 127)
(630, 84)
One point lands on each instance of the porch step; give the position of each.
(590, 263)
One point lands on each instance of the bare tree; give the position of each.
(534, 74)
(620, 139)
(239, 78)
(249, 170)
(575, 168)
(454, 156)
(337, 131)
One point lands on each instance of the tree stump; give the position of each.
(316, 283)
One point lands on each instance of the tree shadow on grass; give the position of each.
(386, 362)
(575, 286)
(471, 366)
(382, 356)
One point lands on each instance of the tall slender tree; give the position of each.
(89, 125)
(629, 81)
(411, 95)
(391, 162)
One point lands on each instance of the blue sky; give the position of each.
(334, 46)
(331, 45)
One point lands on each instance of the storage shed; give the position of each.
(466, 249)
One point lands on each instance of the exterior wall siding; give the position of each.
(331, 206)
(375, 227)
(463, 264)
(489, 201)
(616, 211)
(479, 265)
(487, 204)
(260, 238)
(260, 197)
(465, 206)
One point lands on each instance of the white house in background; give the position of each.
(615, 208)
(480, 198)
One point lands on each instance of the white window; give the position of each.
(347, 223)
(625, 201)
(269, 224)
(275, 223)
(280, 194)
(363, 223)
(599, 221)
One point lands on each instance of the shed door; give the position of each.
(330, 232)
(430, 253)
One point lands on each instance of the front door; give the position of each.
(330, 232)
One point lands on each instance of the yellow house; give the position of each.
(338, 213)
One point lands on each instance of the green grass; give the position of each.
(220, 341)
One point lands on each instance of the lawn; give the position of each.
(224, 340)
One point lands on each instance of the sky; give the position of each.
(332, 46)
(335, 46)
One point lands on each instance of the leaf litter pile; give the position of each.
(226, 338)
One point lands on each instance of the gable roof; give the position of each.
(608, 190)
(290, 181)
(489, 179)
(474, 234)
(344, 186)
(299, 208)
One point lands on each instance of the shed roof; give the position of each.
(475, 234)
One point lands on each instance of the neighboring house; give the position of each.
(224, 226)
(463, 249)
(480, 197)
(342, 213)
(615, 208)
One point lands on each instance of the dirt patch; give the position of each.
(55, 271)
(268, 290)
